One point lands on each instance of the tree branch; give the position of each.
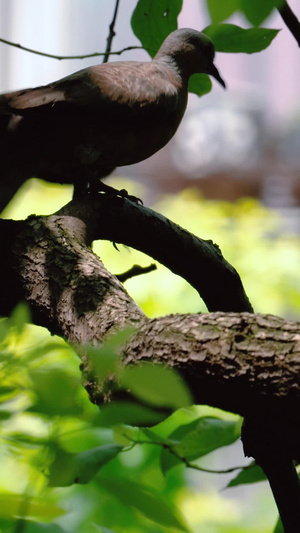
(198, 261)
(135, 270)
(290, 20)
(49, 263)
(53, 56)
(245, 363)
(264, 438)
(111, 33)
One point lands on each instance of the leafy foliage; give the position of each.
(156, 385)
(248, 475)
(70, 468)
(279, 527)
(146, 501)
(83, 455)
(254, 10)
(233, 39)
(200, 84)
(220, 11)
(257, 11)
(153, 20)
(198, 438)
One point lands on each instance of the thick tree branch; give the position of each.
(237, 362)
(290, 20)
(243, 362)
(198, 261)
(264, 438)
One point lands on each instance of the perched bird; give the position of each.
(78, 129)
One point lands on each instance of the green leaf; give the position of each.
(153, 20)
(124, 435)
(56, 392)
(105, 359)
(156, 385)
(129, 413)
(248, 475)
(4, 414)
(103, 529)
(63, 470)
(200, 84)
(154, 437)
(11, 504)
(29, 440)
(43, 349)
(39, 527)
(20, 316)
(145, 500)
(199, 438)
(6, 390)
(68, 468)
(278, 527)
(257, 11)
(233, 39)
(4, 328)
(220, 10)
(90, 461)
(204, 435)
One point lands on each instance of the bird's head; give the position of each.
(191, 52)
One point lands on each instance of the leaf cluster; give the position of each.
(153, 20)
(60, 450)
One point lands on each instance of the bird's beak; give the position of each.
(213, 71)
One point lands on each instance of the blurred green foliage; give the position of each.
(68, 468)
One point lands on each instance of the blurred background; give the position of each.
(231, 174)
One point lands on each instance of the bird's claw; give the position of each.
(124, 194)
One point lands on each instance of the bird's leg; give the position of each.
(80, 189)
(94, 185)
(97, 186)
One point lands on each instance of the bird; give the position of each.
(78, 129)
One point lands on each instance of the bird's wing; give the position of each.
(102, 86)
(48, 96)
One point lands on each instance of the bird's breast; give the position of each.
(126, 139)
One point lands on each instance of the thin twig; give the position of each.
(135, 270)
(53, 56)
(290, 20)
(111, 34)
(186, 461)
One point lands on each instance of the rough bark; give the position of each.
(237, 362)
(231, 359)
(198, 261)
